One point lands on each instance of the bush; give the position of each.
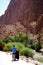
(22, 49)
(39, 59)
(8, 39)
(9, 46)
(27, 52)
(30, 43)
(23, 39)
(36, 46)
(20, 45)
(20, 38)
(1, 42)
(1, 45)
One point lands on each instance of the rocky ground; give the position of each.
(6, 59)
(32, 60)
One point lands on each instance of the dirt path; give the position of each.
(6, 59)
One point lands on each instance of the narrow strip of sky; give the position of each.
(3, 6)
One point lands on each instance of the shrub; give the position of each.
(23, 39)
(9, 46)
(39, 59)
(1, 44)
(30, 43)
(8, 39)
(20, 45)
(27, 52)
(20, 38)
(22, 49)
(16, 38)
(36, 46)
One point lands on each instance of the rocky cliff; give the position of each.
(25, 12)
(11, 30)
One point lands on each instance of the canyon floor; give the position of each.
(6, 59)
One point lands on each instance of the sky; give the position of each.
(3, 6)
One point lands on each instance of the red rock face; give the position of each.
(39, 24)
(23, 11)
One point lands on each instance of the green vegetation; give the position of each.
(22, 49)
(1, 42)
(1, 45)
(36, 46)
(27, 52)
(24, 39)
(39, 59)
(21, 38)
(23, 42)
(8, 39)
(8, 47)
